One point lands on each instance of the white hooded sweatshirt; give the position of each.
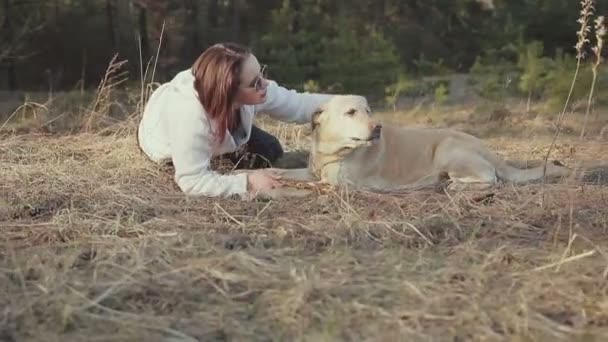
(175, 127)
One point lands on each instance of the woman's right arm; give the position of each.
(191, 151)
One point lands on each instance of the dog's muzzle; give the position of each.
(376, 132)
(374, 135)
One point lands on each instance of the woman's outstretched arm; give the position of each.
(289, 105)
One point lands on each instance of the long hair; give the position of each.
(217, 76)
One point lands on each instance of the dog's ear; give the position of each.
(316, 116)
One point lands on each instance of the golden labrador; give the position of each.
(350, 147)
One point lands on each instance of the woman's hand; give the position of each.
(262, 180)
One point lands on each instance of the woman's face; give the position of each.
(252, 89)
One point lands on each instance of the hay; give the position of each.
(98, 243)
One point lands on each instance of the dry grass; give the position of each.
(99, 244)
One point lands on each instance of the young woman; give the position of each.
(207, 111)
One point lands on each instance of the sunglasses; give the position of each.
(257, 82)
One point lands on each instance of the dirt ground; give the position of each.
(98, 244)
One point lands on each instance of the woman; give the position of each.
(208, 111)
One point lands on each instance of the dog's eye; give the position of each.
(351, 112)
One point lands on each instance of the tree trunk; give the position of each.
(195, 36)
(295, 25)
(192, 49)
(111, 32)
(56, 12)
(213, 14)
(236, 20)
(11, 68)
(143, 32)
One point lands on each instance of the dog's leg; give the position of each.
(303, 174)
(530, 163)
(276, 194)
(288, 174)
(458, 186)
(379, 185)
(470, 171)
(284, 192)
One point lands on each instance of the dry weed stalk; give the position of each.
(146, 89)
(33, 106)
(586, 12)
(142, 75)
(587, 8)
(600, 32)
(111, 79)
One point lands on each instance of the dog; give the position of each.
(350, 147)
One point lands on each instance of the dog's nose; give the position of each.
(376, 131)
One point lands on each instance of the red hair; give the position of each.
(216, 80)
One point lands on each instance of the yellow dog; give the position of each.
(350, 147)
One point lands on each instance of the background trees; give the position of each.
(364, 46)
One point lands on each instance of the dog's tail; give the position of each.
(515, 175)
(510, 173)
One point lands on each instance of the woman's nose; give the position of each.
(262, 84)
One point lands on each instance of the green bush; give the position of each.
(535, 70)
(335, 55)
(494, 81)
(291, 52)
(559, 82)
(358, 64)
(441, 94)
(402, 86)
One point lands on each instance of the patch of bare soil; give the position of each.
(99, 244)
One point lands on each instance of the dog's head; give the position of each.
(345, 122)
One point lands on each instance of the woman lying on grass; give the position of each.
(208, 111)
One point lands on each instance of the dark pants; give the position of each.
(260, 151)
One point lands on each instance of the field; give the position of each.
(98, 244)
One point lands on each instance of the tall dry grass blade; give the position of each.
(565, 260)
(125, 318)
(141, 75)
(600, 32)
(24, 106)
(160, 42)
(146, 88)
(112, 78)
(585, 13)
(232, 218)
